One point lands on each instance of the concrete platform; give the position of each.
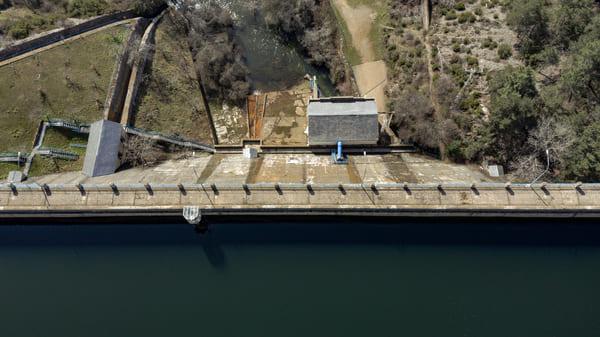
(287, 168)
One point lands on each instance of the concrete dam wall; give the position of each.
(348, 199)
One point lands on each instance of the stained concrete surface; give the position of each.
(286, 168)
(285, 121)
(231, 123)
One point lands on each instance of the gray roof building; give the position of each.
(351, 120)
(104, 149)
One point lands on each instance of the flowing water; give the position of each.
(304, 278)
(273, 63)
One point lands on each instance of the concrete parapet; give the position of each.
(448, 197)
(119, 83)
(62, 34)
(137, 70)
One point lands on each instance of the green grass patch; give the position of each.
(67, 82)
(61, 139)
(5, 168)
(170, 100)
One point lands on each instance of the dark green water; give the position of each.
(326, 278)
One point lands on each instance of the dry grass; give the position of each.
(170, 100)
(68, 82)
(59, 139)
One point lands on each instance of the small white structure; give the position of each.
(496, 170)
(15, 176)
(250, 152)
(351, 120)
(104, 149)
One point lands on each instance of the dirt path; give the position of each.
(371, 74)
(359, 21)
(371, 79)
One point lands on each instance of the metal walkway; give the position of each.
(57, 153)
(169, 139)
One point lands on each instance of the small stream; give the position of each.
(274, 64)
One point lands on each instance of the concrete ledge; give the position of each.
(564, 200)
(62, 34)
(141, 212)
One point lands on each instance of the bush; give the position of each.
(530, 21)
(472, 61)
(454, 151)
(466, 17)
(583, 159)
(20, 30)
(504, 51)
(149, 8)
(569, 19)
(459, 6)
(489, 43)
(86, 8)
(514, 111)
(451, 15)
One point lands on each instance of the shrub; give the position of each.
(451, 15)
(86, 8)
(530, 21)
(489, 43)
(149, 8)
(454, 151)
(459, 6)
(504, 51)
(20, 30)
(472, 61)
(466, 17)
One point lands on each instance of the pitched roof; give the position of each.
(342, 106)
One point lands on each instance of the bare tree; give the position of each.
(551, 136)
(141, 151)
(217, 57)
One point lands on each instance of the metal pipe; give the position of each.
(546, 170)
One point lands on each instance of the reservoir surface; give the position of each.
(304, 278)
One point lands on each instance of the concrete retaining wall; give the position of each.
(392, 198)
(119, 83)
(137, 71)
(63, 34)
